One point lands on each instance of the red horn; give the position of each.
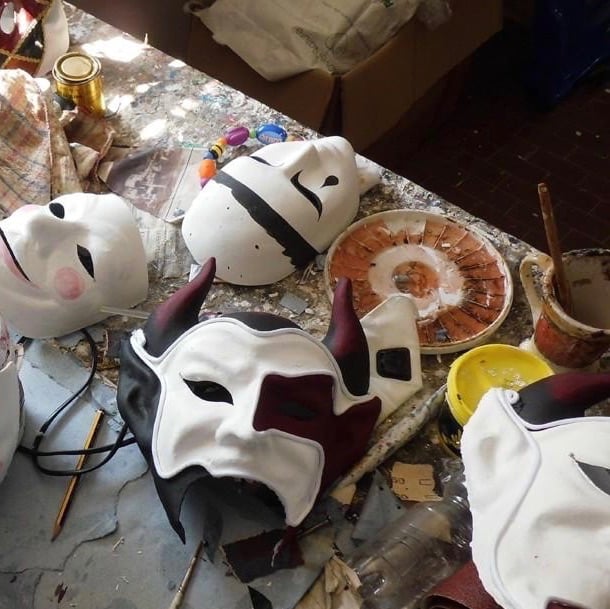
(562, 396)
(179, 312)
(347, 342)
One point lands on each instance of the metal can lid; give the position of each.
(76, 67)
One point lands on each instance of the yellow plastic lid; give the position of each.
(487, 366)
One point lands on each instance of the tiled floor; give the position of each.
(490, 155)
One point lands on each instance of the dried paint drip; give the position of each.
(458, 281)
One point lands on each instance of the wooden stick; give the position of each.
(179, 597)
(552, 238)
(69, 494)
(135, 313)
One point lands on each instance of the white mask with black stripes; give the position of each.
(264, 215)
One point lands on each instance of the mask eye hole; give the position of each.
(296, 410)
(600, 476)
(57, 209)
(331, 181)
(259, 160)
(84, 255)
(210, 391)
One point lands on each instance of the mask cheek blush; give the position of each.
(68, 283)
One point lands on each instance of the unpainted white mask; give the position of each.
(266, 214)
(10, 402)
(61, 262)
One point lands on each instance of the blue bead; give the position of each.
(207, 155)
(271, 134)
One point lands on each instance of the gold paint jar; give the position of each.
(78, 78)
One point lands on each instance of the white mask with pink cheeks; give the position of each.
(10, 401)
(61, 263)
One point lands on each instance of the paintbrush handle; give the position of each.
(552, 238)
(179, 596)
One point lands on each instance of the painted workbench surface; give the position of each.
(117, 549)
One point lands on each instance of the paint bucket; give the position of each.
(580, 339)
(475, 372)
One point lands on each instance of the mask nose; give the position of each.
(304, 157)
(41, 228)
(235, 430)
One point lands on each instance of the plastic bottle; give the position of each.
(425, 545)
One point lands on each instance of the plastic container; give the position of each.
(473, 374)
(408, 557)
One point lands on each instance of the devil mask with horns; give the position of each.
(538, 481)
(253, 396)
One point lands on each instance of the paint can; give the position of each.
(78, 78)
(473, 373)
(579, 339)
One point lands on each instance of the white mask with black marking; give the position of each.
(265, 215)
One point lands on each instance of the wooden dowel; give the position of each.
(552, 238)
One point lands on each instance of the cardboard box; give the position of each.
(369, 100)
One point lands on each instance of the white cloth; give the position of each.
(280, 38)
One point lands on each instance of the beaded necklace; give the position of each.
(269, 133)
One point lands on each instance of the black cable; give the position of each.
(76, 451)
(85, 470)
(111, 449)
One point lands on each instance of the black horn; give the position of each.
(347, 342)
(179, 312)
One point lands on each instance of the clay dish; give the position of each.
(459, 282)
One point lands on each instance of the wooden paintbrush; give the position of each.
(552, 238)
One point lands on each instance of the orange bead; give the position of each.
(207, 169)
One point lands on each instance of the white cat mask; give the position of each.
(538, 480)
